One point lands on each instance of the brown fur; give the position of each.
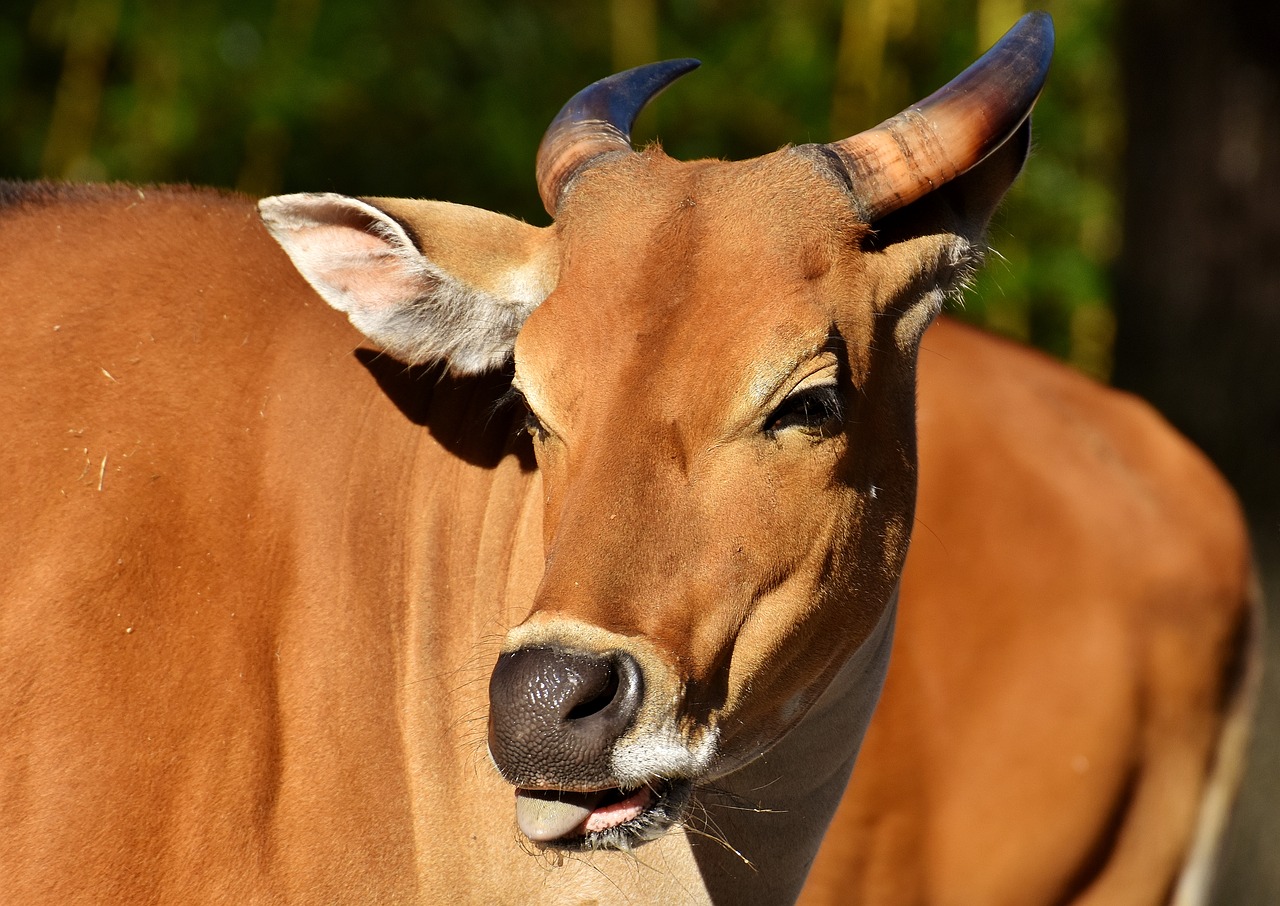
(1071, 612)
(256, 582)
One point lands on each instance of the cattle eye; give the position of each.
(533, 425)
(815, 410)
(530, 424)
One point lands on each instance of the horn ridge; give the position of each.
(596, 121)
(955, 128)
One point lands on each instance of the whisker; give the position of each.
(722, 842)
(740, 803)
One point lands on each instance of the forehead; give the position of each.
(694, 263)
(781, 206)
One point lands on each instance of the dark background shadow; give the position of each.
(1198, 305)
(446, 405)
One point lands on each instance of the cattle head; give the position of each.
(718, 360)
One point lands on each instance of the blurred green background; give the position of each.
(449, 100)
(1142, 244)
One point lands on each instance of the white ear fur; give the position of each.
(463, 301)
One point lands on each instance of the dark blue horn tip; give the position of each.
(619, 98)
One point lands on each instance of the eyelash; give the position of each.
(530, 424)
(816, 410)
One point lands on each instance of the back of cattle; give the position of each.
(276, 604)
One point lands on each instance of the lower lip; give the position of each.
(610, 816)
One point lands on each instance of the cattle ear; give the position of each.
(974, 196)
(940, 240)
(424, 280)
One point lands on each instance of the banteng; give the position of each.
(278, 602)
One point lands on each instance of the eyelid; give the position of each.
(533, 408)
(525, 396)
(826, 373)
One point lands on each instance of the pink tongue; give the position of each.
(544, 815)
(615, 813)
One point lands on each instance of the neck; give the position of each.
(773, 813)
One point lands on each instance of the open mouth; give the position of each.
(614, 818)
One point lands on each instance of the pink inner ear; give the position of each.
(363, 261)
(353, 269)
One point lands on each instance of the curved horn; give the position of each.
(953, 129)
(598, 120)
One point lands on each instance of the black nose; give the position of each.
(555, 715)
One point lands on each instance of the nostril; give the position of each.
(597, 702)
(609, 694)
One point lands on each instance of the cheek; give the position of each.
(775, 508)
(551, 474)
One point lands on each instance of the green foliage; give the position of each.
(1059, 231)
(449, 100)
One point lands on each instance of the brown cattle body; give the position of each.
(260, 574)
